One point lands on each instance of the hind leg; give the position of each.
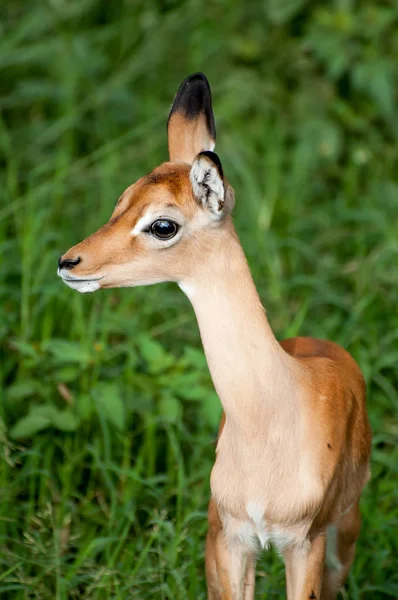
(340, 552)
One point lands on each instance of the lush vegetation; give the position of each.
(108, 415)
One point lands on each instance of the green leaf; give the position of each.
(67, 374)
(42, 417)
(282, 11)
(47, 411)
(22, 389)
(186, 385)
(194, 358)
(65, 420)
(29, 425)
(170, 408)
(211, 409)
(68, 352)
(85, 407)
(24, 348)
(155, 356)
(110, 405)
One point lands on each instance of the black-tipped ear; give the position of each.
(191, 127)
(208, 185)
(193, 99)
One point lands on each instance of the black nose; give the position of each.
(68, 263)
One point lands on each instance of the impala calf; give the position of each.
(294, 441)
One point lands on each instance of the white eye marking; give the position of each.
(142, 224)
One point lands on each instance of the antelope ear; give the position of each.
(209, 187)
(191, 128)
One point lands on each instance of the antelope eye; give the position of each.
(163, 229)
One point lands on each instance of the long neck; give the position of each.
(249, 369)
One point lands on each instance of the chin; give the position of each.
(84, 287)
(80, 284)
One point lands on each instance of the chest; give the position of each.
(254, 531)
(266, 491)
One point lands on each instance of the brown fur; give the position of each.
(185, 142)
(294, 442)
(330, 373)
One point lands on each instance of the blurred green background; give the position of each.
(108, 414)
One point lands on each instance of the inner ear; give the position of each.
(191, 128)
(208, 186)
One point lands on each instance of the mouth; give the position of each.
(80, 280)
(83, 285)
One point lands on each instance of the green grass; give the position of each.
(108, 414)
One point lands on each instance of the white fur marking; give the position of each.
(188, 289)
(240, 533)
(256, 514)
(141, 224)
(280, 536)
(283, 537)
(81, 285)
(146, 221)
(246, 533)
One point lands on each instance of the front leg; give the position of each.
(304, 570)
(230, 565)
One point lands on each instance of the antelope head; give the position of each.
(167, 221)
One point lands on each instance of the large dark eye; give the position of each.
(163, 229)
